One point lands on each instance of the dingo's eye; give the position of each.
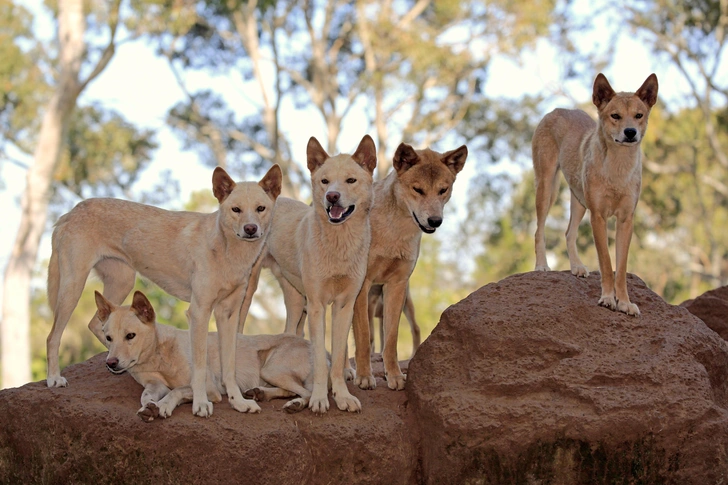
(236, 210)
(350, 181)
(418, 190)
(615, 116)
(130, 336)
(108, 338)
(260, 208)
(638, 115)
(325, 181)
(442, 191)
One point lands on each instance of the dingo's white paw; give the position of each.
(628, 308)
(319, 404)
(57, 381)
(148, 412)
(579, 270)
(396, 382)
(244, 405)
(347, 402)
(349, 374)
(542, 267)
(366, 382)
(202, 409)
(166, 407)
(608, 301)
(295, 405)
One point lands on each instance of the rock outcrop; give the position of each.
(89, 433)
(712, 308)
(525, 381)
(529, 381)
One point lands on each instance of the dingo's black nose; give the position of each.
(333, 197)
(630, 133)
(112, 363)
(434, 221)
(250, 229)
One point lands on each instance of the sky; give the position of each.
(139, 84)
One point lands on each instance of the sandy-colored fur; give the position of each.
(602, 164)
(319, 262)
(408, 202)
(205, 259)
(158, 357)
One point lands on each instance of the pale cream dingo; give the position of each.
(319, 255)
(158, 357)
(205, 259)
(602, 162)
(408, 202)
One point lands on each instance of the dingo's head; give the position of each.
(246, 207)
(129, 331)
(342, 184)
(425, 180)
(623, 116)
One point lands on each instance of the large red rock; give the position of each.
(712, 308)
(89, 433)
(528, 381)
(525, 381)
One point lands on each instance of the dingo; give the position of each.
(318, 253)
(602, 162)
(158, 357)
(408, 202)
(205, 259)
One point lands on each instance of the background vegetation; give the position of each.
(403, 70)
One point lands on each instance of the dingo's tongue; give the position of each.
(336, 212)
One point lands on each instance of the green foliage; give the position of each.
(23, 88)
(104, 153)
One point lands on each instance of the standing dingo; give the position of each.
(319, 256)
(408, 202)
(205, 259)
(602, 162)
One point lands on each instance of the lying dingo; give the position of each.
(158, 357)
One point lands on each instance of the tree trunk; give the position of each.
(15, 329)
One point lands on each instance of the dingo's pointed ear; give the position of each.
(455, 159)
(272, 182)
(366, 154)
(103, 307)
(404, 158)
(648, 91)
(222, 184)
(603, 92)
(143, 309)
(315, 154)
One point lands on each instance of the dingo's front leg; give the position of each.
(599, 230)
(342, 313)
(227, 313)
(198, 316)
(394, 296)
(624, 237)
(319, 402)
(364, 377)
